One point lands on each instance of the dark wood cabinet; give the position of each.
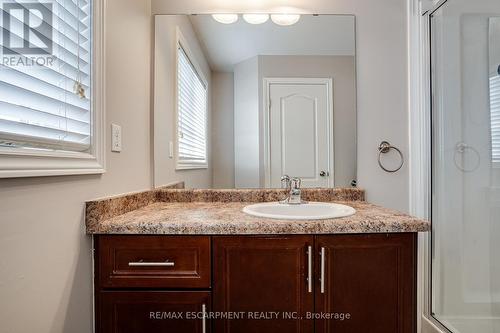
(153, 311)
(246, 284)
(154, 283)
(262, 274)
(369, 277)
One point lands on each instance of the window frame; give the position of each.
(180, 41)
(25, 162)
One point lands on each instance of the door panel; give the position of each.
(254, 274)
(369, 277)
(300, 129)
(299, 144)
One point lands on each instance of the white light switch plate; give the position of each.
(116, 138)
(171, 149)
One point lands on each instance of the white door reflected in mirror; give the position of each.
(300, 130)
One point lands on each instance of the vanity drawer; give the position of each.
(152, 311)
(153, 261)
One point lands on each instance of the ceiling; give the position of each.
(227, 45)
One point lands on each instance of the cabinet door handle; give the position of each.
(322, 276)
(203, 319)
(141, 263)
(309, 269)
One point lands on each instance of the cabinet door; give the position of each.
(152, 311)
(369, 277)
(266, 280)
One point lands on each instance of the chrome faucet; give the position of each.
(292, 186)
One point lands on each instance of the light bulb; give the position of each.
(285, 19)
(225, 18)
(256, 18)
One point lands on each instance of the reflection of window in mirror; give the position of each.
(495, 117)
(494, 82)
(191, 152)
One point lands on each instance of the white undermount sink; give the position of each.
(305, 211)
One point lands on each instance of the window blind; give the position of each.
(495, 117)
(192, 113)
(38, 104)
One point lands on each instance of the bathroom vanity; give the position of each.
(192, 261)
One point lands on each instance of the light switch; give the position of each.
(116, 138)
(171, 149)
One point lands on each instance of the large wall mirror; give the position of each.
(241, 100)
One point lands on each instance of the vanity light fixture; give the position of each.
(256, 18)
(285, 19)
(225, 18)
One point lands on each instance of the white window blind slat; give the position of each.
(193, 121)
(56, 72)
(58, 93)
(56, 132)
(64, 11)
(193, 147)
(42, 141)
(53, 120)
(61, 36)
(16, 95)
(38, 105)
(49, 76)
(63, 22)
(42, 135)
(192, 153)
(192, 113)
(495, 118)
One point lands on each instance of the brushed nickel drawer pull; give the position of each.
(309, 269)
(141, 263)
(204, 319)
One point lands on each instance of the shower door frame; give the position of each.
(420, 107)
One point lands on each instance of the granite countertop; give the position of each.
(219, 212)
(219, 218)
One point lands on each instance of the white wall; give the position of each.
(382, 75)
(246, 124)
(45, 256)
(222, 130)
(165, 50)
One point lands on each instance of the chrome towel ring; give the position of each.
(462, 148)
(384, 148)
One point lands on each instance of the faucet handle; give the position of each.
(285, 180)
(295, 183)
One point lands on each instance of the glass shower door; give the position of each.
(465, 284)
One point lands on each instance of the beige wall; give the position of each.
(165, 48)
(222, 130)
(342, 69)
(45, 256)
(246, 124)
(382, 78)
